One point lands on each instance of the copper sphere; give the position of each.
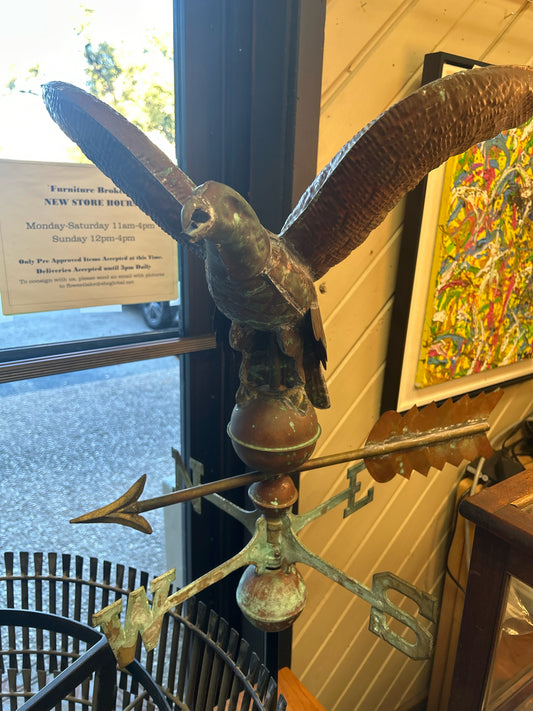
(270, 433)
(272, 600)
(274, 496)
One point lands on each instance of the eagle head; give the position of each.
(218, 214)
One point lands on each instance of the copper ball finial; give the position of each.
(271, 433)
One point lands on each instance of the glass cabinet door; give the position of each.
(510, 684)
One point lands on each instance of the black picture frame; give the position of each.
(405, 336)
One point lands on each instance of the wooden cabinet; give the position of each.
(494, 663)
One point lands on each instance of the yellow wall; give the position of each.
(374, 52)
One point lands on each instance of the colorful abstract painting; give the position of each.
(479, 313)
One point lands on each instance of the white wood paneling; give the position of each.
(374, 52)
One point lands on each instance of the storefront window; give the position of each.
(74, 437)
(74, 442)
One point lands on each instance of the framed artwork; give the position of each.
(463, 312)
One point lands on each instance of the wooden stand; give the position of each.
(298, 698)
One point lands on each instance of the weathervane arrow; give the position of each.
(123, 510)
(398, 444)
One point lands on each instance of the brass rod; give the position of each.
(399, 443)
(194, 492)
(378, 449)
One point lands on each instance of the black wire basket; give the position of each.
(51, 657)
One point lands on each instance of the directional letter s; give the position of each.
(427, 605)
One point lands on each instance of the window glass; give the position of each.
(25, 330)
(72, 443)
(122, 53)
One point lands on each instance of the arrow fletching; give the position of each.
(124, 153)
(430, 437)
(121, 511)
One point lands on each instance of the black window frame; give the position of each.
(248, 82)
(248, 79)
(70, 356)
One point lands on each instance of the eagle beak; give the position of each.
(196, 218)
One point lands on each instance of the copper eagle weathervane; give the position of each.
(264, 283)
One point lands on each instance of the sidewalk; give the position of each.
(72, 443)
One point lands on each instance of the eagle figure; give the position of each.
(264, 283)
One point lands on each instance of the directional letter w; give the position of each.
(140, 619)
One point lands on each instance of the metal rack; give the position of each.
(51, 656)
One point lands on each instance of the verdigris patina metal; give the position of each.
(265, 284)
(271, 592)
(398, 444)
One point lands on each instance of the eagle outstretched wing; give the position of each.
(353, 194)
(248, 269)
(125, 154)
(372, 172)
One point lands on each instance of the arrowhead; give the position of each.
(122, 511)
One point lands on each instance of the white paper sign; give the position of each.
(69, 239)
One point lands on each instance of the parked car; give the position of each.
(160, 314)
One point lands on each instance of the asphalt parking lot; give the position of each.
(72, 443)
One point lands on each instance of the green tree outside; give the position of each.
(138, 84)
